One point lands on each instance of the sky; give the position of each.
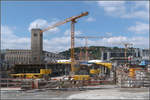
(120, 21)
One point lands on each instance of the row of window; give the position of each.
(54, 56)
(18, 59)
(19, 53)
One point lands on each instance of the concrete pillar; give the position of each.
(136, 52)
(108, 55)
(141, 52)
(102, 55)
(36, 46)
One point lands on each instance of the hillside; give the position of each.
(94, 52)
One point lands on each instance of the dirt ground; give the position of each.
(95, 92)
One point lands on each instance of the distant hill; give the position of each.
(94, 52)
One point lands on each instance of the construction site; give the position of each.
(111, 73)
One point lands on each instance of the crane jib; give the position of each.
(65, 21)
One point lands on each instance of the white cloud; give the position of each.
(141, 42)
(12, 41)
(115, 40)
(56, 44)
(138, 9)
(90, 19)
(137, 41)
(61, 43)
(137, 14)
(108, 33)
(142, 4)
(139, 28)
(42, 23)
(68, 32)
(112, 7)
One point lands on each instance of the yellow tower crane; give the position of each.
(73, 21)
(126, 45)
(86, 43)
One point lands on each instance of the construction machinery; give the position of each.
(73, 20)
(86, 68)
(42, 73)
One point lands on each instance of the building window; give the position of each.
(35, 34)
(35, 58)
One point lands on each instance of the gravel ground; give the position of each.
(34, 94)
(113, 93)
(95, 92)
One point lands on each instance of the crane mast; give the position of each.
(126, 47)
(72, 45)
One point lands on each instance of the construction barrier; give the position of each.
(9, 82)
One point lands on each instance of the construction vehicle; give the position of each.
(105, 64)
(42, 73)
(92, 70)
(83, 72)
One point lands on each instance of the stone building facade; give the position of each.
(18, 56)
(13, 56)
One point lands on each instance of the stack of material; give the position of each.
(146, 79)
(141, 79)
(26, 84)
(112, 76)
(121, 75)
